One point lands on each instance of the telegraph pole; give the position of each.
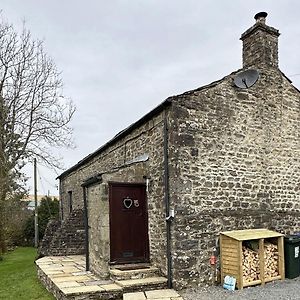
(36, 226)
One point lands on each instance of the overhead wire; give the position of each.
(46, 194)
(51, 184)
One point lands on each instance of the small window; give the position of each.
(70, 200)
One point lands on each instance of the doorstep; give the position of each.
(65, 277)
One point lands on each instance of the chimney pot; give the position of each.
(261, 17)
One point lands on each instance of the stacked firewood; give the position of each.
(271, 260)
(251, 270)
(250, 265)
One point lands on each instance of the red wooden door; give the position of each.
(129, 242)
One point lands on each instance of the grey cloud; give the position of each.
(119, 59)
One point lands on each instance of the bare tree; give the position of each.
(34, 114)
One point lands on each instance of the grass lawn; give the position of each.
(18, 276)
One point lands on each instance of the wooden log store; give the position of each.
(253, 256)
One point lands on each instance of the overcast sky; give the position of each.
(119, 59)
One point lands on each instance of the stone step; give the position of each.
(126, 272)
(143, 284)
(66, 251)
(165, 294)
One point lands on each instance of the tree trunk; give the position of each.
(3, 246)
(3, 194)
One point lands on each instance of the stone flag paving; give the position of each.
(65, 277)
(166, 294)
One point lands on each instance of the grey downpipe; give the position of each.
(61, 203)
(86, 229)
(167, 203)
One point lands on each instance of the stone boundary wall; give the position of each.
(50, 286)
(60, 295)
(65, 238)
(51, 229)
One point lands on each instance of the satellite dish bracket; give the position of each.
(246, 79)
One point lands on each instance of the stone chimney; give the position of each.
(260, 44)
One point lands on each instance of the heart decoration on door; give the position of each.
(127, 202)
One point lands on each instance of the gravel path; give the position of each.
(288, 289)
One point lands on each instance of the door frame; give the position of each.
(111, 184)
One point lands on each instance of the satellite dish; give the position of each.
(246, 79)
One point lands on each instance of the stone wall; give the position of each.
(115, 164)
(64, 238)
(260, 45)
(98, 216)
(50, 231)
(235, 164)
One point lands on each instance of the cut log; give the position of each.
(250, 265)
(271, 260)
(251, 270)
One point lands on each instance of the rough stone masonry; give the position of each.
(233, 160)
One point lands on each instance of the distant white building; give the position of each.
(31, 202)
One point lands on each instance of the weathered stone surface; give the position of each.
(64, 238)
(112, 165)
(88, 286)
(111, 287)
(143, 281)
(67, 284)
(138, 273)
(81, 289)
(52, 227)
(70, 278)
(134, 296)
(233, 164)
(167, 293)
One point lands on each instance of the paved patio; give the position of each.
(66, 278)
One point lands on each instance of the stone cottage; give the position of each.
(221, 157)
